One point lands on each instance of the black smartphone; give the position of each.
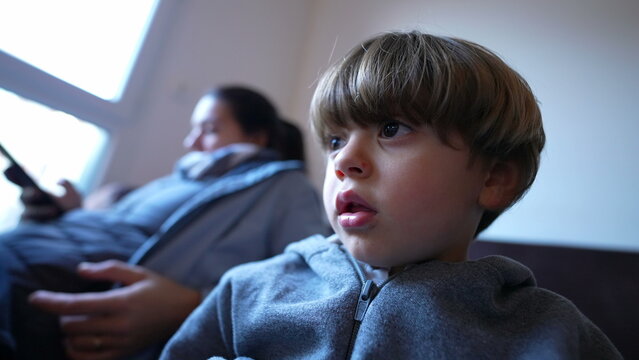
(16, 174)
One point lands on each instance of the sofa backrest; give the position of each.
(604, 285)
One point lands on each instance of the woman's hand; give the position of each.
(119, 322)
(37, 209)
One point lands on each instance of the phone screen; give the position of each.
(4, 162)
(5, 158)
(14, 172)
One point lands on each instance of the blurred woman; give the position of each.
(232, 199)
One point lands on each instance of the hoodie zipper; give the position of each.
(366, 295)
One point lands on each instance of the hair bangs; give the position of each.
(368, 88)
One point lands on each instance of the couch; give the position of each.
(603, 284)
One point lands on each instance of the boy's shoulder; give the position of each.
(490, 286)
(492, 290)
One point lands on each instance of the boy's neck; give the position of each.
(456, 254)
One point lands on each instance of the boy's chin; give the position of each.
(370, 257)
(366, 249)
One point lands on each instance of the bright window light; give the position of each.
(49, 144)
(89, 44)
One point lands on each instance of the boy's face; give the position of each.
(395, 194)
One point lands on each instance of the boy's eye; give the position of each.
(335, 142)
(393, 128)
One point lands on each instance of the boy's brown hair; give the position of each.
(450, 84)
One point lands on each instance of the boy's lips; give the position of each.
(352, 210)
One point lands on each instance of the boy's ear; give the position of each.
(500, 187)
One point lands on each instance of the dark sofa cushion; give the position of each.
(604, 285)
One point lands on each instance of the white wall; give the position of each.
(581, 59)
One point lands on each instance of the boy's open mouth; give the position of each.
(352, 210)
(349, 202)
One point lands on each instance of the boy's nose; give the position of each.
(351, 162)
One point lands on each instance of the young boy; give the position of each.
(428, 140)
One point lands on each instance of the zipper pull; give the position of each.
(369, 290)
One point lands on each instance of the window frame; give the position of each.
(34, 84)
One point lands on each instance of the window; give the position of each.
(66, 71)
(89, 44)
(25, 133)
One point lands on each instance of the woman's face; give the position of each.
(213, 126)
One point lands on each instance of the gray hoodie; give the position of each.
(314, 302)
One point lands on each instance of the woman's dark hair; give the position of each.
(253, 111)
(290, 142)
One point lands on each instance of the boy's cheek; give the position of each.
(328, 195)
